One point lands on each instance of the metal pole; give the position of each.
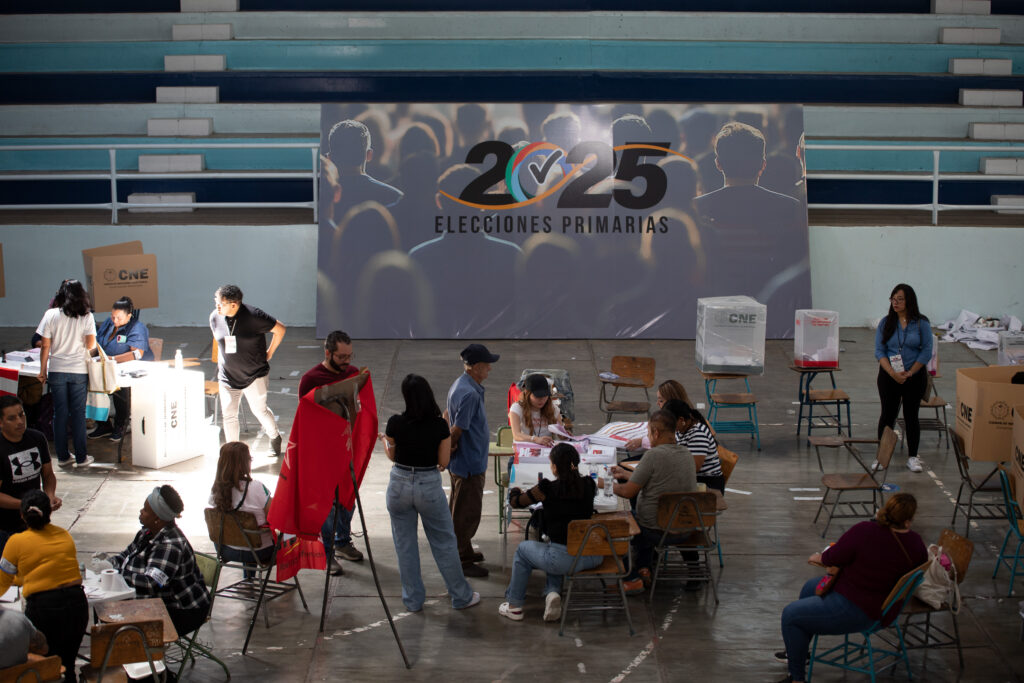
(113, 185)
(935, 186)
(330, 554)
(316, 185)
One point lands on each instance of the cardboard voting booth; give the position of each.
(169, 419)
(984, 410)
(816, 339)
(118, 270)
(1011, 346)
(730, 335)
(1017, 458)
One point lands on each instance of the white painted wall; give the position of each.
(853, 269)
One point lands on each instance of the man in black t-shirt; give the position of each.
(24, 465)
(243, 360)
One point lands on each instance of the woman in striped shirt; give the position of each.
(692, 431)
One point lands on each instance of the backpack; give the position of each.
(940, 585)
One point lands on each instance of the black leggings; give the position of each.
(62, 615)
(910, 393)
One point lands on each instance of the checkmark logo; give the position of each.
(540, 173)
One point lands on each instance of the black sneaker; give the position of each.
(102, 429)
(348, 552)
(275, 445)
(117, 436)
(474, 571)
(782, 657)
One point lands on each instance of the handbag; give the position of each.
(939, 586)
(102, 373)
(97, 406)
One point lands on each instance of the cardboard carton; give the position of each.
(119, 270)
(984, 413)
(1017, 455)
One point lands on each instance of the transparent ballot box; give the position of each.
(1011, 348)
(816, 339)
(730, 335)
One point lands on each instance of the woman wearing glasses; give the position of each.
(903, 347)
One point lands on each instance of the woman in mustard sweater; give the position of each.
(43, 560)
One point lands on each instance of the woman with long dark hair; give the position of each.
(692, 431)
(418, 441)
(43, 559)
(570, 496)
(234, 489)
(68, 331)
(903, 347)
(533, 412)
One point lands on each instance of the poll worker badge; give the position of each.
(896, 361)
(230, 345)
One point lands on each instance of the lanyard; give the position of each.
(905, 333)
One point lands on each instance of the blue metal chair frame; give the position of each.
(864, 658)
(748, 426)
(804, 399)
(1014, 562)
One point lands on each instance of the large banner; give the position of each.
(546, 221)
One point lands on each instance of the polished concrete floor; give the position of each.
(767, 534)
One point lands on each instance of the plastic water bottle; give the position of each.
(179, 362)
(608, 482)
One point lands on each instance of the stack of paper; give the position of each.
(976, 331)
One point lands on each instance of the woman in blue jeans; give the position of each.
(418, 441)
(68, 331)
(871, 557)
(569, 497)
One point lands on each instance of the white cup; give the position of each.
(108, 579)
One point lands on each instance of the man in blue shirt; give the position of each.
(470, 449)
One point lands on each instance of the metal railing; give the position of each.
(114, 175)
(934, 177)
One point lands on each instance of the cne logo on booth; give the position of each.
(581, 169)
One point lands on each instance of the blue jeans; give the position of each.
(418, 495)
(552, 558)
(229, 554)
(810, 615)
(338, 526)
(68, 390)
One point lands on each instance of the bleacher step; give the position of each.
(991, 98)
(970, 36)
(1002, 166)
(981, 67)
(202, 32)
(171, 163)
(166, 94)
(996, 131)
(209, 5)
(195, 62)
(1015, 200)
(161, 198)
(961, 7)
(169, 128)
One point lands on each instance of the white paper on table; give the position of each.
(982, 345)
(1013, 324)
(990, 336)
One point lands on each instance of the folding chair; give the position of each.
(845, 483)
(111, 645)
(36, 668)
(990, 490)
(610, 539)
(499, 448)
(924, 633)
(239, 529)
(688, 523)
(188, 645)
(929, 424)
(1014, 562)
(634, 372)
(868, 658)
(728, 460)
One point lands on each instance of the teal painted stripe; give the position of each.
(870, 160)
(521, 55)
(128, 159)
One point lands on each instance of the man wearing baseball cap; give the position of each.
(470, 444)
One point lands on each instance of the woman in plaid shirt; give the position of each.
(160, 563)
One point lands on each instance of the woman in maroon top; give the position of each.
(871, 557)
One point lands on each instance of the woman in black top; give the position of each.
(419, 443)
(569, 497)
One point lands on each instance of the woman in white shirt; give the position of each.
(233, 490)
(534, 411)
(68, 331)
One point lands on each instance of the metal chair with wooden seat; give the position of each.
(35, 668)
(687, 521)
(610, 539)
(1012, 561)
(868, 481)
(719, 401)
(929, 424)
(633, 372)
(239, 529)
(502, 446)
(112, 645)
(188, 645)
(988, 489)
(924, 633)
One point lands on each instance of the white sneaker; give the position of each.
(552, 607)
(85, 463)
(914, 465)
(876, 466)
(513, 613)
(473, 601)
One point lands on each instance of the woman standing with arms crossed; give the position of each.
(903, 347)
(68, 331)
(418, 441)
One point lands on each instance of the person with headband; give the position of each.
(872, 557)
(160, 562)
(123, 338)
(569, 497)
(43, 560)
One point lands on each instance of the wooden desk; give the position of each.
(634, 528)
(137, 610)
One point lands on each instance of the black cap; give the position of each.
(537, 385)
(478, 353)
